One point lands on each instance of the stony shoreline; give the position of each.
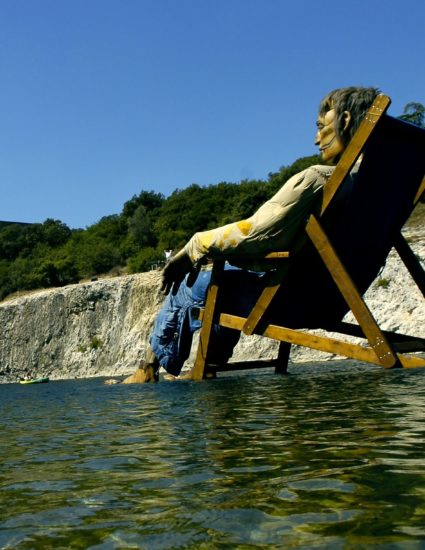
(101, 328)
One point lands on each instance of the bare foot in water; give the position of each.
(142, 375)
(187, 375)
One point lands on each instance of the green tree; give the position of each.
(110, 228)
(151, 200)
(145, 260)
(103, 258)
(415, 113)
(7, 285)
(251, 194)
(12, 241)
(54, 232)
(141, 227)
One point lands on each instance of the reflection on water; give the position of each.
(329, 458)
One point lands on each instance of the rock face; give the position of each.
(101, 328)
(82, 330)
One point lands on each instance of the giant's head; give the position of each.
(340, 114)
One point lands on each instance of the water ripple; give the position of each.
(329, 457)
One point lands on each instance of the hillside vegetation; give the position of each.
(51, 254)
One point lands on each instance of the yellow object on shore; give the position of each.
(35, 381)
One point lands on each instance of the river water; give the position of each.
(329, 457)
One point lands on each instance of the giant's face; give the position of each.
(330, 144)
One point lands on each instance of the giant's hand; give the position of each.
(175, 271)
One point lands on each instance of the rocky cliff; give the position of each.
(88, 329)
(101, 328)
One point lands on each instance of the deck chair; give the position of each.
(346, 246)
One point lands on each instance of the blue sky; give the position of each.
(103, 98)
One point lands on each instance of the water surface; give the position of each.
(323, 458)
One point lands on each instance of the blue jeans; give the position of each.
(176, 322)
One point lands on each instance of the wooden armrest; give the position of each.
(270, 256)
(276, 255)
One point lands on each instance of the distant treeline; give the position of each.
(51, 254)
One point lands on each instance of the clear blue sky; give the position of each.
(103, 98)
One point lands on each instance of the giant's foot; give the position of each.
(145, 373)
(188, 375)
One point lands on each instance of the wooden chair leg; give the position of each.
(380, 344)
(198, 371)
(283, 358)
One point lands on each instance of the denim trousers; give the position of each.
(171, 338)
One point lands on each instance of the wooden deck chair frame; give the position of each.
(379, 347)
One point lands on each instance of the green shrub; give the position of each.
(383, 283)
(96, 342)
(144, 260)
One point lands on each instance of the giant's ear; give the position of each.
(346, 118)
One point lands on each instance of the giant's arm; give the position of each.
(273, 226)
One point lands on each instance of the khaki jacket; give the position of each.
(274, 226)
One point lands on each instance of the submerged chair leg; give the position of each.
(198, 371)
(283, 358)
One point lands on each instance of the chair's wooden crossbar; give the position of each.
(400, 342)
(277, 255)
(245, 365)
(257, 314)
(320, 343)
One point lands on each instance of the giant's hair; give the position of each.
(354, 99)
